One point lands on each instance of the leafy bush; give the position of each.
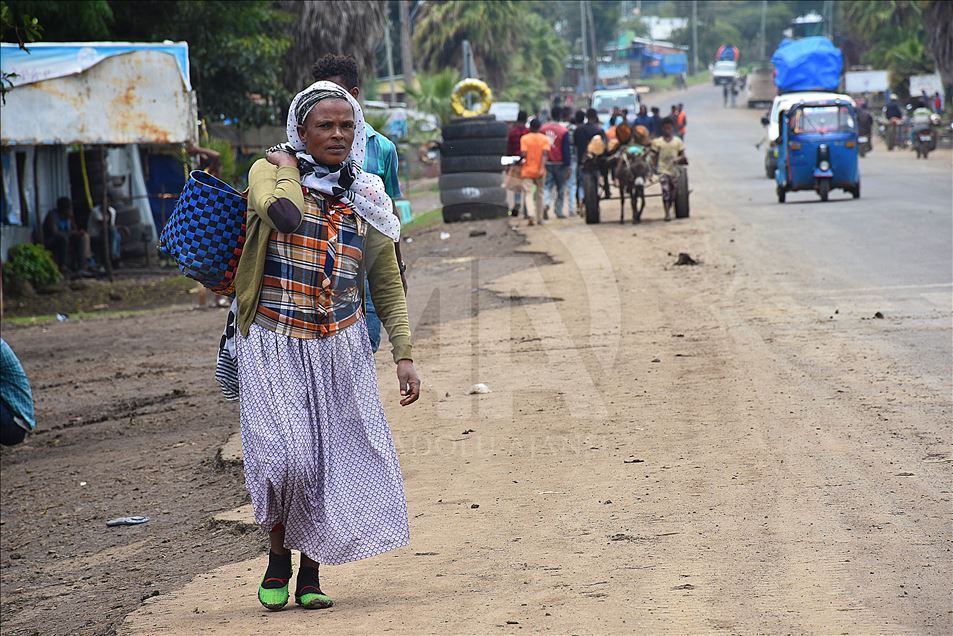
(33, 264)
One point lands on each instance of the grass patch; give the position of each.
(83, 316)
(668, 83)
(424, 221)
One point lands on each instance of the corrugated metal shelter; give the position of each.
(69, 95)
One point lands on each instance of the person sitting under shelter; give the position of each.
(68, 243)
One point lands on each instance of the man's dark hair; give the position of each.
(567, 113)
(592, 116)
(674, 106)
(521, 117)
(579, 117)
(63, 204)
(655, 110)
(668, 121)
(535, 124)
(343, 66)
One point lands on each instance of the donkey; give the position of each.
(633, 172)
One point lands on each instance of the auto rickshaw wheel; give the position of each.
(781, 194)
(590, 199)
(681, 195)
(824, 189)
(856, 190)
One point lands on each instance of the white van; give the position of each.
(604, 101)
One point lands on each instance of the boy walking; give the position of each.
(534, 146)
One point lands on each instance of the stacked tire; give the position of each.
(471, 181)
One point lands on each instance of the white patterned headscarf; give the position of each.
(363, 190)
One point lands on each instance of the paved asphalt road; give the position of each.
(889, 251)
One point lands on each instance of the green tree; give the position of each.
(539, 64)
(318, 28)
(492, 27)
(891, 36)
(433, 94)
(938, 23)
(236, 47)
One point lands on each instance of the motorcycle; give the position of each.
(893, 133)
(925, 141)
(863, 145)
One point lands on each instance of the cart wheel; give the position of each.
(681, 195)
(591, 197)
(781, 194)
(824, 188)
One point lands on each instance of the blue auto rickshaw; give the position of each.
(818, 149)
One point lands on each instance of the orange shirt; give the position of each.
(534, 146)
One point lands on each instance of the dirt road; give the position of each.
(666, 449)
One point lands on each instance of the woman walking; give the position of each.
(320, 463)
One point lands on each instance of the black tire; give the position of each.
(478, 163)
(473, 212)
(472, 147)
(681, 195)
(457, 120)
(470, 180)
(856, 190)
(924, 150)
(824, 189)
(863, 150)
(471, 195)
(782, 193)
(474, 130)
(591, 197)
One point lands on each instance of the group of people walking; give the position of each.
(548, 178)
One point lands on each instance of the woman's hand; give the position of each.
(278, 156)
(408, 382)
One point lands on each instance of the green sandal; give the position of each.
(273, 598)
(313, 598)
(273, 589)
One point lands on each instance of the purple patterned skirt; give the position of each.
(318, 454)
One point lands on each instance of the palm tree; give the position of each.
(491, 26)
(333, 26)
(938, 23)
(433, 96)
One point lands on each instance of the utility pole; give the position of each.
(585, 51)
(764, 14)
(593, 46)
(694, 37)
(390, 63)
(406, 55)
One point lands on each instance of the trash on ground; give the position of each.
(62, 317)
(444, 236)
(468, 431)
(684, 258)
(478, 388)
(127, 521)
(656, 359)
(879, 315)
(633, 461)
(408, 239)
(477, 232)
(474, 506)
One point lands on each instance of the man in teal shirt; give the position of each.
(16, 398)
(380, 159)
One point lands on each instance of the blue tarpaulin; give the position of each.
(807, 64)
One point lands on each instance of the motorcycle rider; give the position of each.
(865, 123)
(922, 119)
(893, 113)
